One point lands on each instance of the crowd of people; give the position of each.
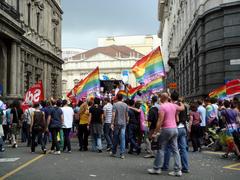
(163, 131)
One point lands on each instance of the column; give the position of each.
(18, 71)
(22, 73)
(13, 69)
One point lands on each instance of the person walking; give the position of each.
(83, 131)
(195, 128)
(203, 124)
(107, 123)
(95, 124)
(181, 139)
(16, 119)
(37, 128)
(67, 124)
(167, 133)
(55, 120)
(118, 124)
(27, 120)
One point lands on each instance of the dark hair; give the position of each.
(193, 107)
(138, 104)
(154, 99)
(174, 96)
(16, 104)
(226, 104)
(96, 101)
(200, 102)
(79, 103)
(119, 97)
(43, 104)
(36, 105)
(107, 99)
(131, 102)
(59, 102)
(64, 102)
(213, 100)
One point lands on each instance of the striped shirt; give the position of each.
(108, 112)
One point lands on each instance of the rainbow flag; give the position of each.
(154, 86)
(219, 92)
(89, 85)
(149, 67)
(133, 91)
(145, 108)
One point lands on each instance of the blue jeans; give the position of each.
(182, 145)
(97, 142)
(119, 134)
(108, 134)
(167, 137)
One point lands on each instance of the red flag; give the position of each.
(34, 94)
(233, 87)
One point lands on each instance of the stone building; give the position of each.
(30, 46)
(111, 60)
(140, 43)
(201, 42)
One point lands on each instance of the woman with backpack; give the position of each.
(37, 128)
(55, 121)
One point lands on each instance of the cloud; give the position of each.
(85, 21)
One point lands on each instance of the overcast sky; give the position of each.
(86, 20)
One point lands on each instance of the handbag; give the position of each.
(155, 144)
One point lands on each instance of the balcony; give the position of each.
(9, 10)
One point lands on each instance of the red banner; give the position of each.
(34, 94)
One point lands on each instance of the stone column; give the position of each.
(13, 70)
(18, 71)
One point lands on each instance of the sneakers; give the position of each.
(154, 171)
(2, 149)
(122, 156)
(45, 151)
(57, 152)
(99, 151)
(149, 156)
(15, 145)
(175, 173)
(109, 149)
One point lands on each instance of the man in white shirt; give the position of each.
(107, 122)
(203, 116)
(68, 114)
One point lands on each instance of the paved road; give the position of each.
(90, 166)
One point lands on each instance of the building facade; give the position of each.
(201, 42)
(112, 61)
(68, 53)
(30, 46)
(140, 43)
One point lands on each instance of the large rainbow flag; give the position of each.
(149, 67)
(89, 85)
(219, 92)
(154, 86)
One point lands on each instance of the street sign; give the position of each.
(234, 61)
(172, 85)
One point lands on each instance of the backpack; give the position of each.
(39, 123)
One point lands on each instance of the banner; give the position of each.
(35, 94)
(233, 87)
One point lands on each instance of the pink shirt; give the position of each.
(169, 110)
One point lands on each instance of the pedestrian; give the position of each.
(202, 112)
(27, 120)
(6, 123)
(95, 124)
(83, 130)
(55, 121)
(230, 117)
(118, 124)
(194, 127)
(167, 133)
(37, 128)
(152, 121)
(67, 124)
(16, 119)
(181, 139)
(1, 130)
(133, 128)
(107, 122)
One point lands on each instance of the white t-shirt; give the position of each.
(68, 116)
